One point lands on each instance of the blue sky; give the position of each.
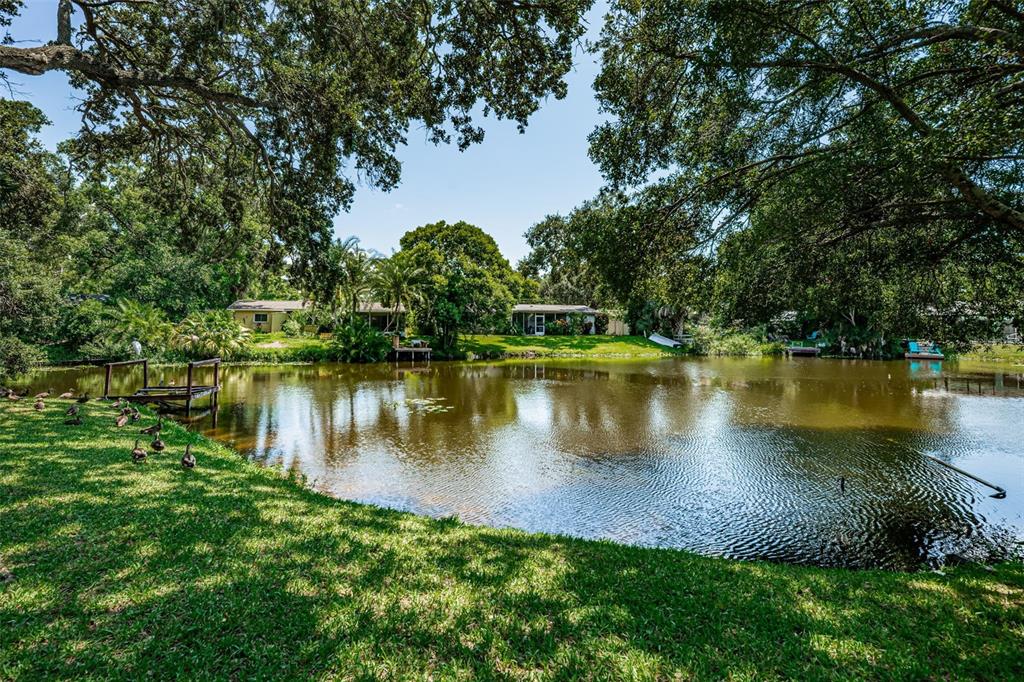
(503, 185)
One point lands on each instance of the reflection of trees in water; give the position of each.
(827, 395)
(481, 402)
(615, 412)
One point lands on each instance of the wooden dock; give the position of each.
(169, 396)
(809, 351)
(409, 353)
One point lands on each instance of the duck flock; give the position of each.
(126, 413)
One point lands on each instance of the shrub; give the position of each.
(356, 341)
(292, 328)
(577, 324)
(142, 322)
(557, 328)
(711, 341)
(272, 355)
(601, 323)
(214, 332)
(17, 357)
(106, 347)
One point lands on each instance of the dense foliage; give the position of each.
(858, 163)
(356, 341)
(287, 102)
(469, 287)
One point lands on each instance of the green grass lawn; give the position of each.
(112, 569)
(996, 353)
(281, 340)
(593, 346)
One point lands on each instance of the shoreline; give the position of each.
(116, 569)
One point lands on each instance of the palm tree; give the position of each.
(398, 282)
(357, 279)
(142, 322)
(332, 275)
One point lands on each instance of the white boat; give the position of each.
(664, 341)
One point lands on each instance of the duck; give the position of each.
(84, 398)
(135, 415)
(155, 428)
(188, 460)
(66, 395)
(121, 420)
(157, 444)
(39, 405)
(44, 394)
(118, 404)
(13, 396)
(76, 421)
(138, 454)
(72, 411)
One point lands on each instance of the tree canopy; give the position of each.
(734, 99)
(469, 285)
(803, 150)
(299, 97)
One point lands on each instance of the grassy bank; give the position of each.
(1013, 355)
(278, 347)
(562, 346)
(281, 348)
(119, 570)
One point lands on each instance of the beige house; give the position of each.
(268, 316)
(264, 316)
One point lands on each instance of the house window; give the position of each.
(259, 317)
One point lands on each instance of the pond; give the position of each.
(797, 460)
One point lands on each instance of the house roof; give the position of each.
(551, 308)
(267, 306)
(377, 307)
(290, 306)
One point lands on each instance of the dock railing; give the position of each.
(190, 392)
(216, 381)
(125, 363)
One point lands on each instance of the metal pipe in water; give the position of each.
(999, 494)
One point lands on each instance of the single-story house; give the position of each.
(264, 316)
(268, 316)
(533, 319)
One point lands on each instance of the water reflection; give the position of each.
(738, 457)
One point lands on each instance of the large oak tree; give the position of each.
(869, 134)
(301, 98)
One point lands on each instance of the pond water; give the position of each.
(798, 460)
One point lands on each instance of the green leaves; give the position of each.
(355, 341)
(299, 97)
(471, 287)
(854, 147)
(213, 333)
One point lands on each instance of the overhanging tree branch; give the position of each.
(35, 61)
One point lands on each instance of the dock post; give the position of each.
(106, 380)
(188, 394)
(216, 389)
